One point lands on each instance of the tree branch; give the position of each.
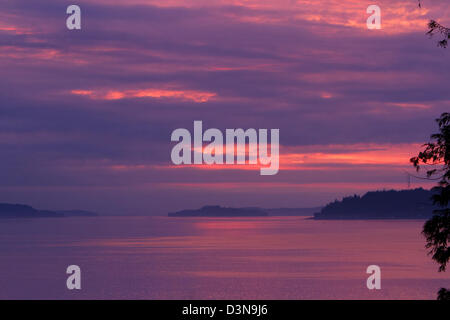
(435, 27)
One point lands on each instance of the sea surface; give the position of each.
(214, 258)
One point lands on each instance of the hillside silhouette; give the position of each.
(218, 211)
(404, 204)
(8, 210)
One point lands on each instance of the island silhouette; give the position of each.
(8, 210)
(386, 204)
(218, 211)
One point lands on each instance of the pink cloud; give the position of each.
(192, 95)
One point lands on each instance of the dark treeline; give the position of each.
(405, 204)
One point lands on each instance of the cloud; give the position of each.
(195, 96)
(94, 110)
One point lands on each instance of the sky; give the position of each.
(86, 115)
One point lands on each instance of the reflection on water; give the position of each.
(215, 258)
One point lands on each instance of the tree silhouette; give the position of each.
(436, 155)
(434, 28)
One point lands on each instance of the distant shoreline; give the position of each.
(218, 211)
(21, 211)
(413, 204)
(367, 218)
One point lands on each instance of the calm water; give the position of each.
(174, 258)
